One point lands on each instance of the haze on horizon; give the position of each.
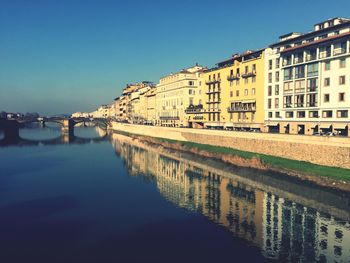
(65, 56)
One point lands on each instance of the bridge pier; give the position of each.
(68, 126)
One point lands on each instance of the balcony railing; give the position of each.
(298, 60)
(213, 81)
(312, 89)
(192, 109)
(299, 105)
(310, 57)
(325, 54)
(339, 51)
(288, 105)
(217, 90)
(241, 109)
(287, 62)
(249, 74)
(233, 77)
(213, 110)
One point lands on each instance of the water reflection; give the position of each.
(288, 221)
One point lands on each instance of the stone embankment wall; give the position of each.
(329, 151)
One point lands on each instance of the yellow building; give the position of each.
(235, 92)
(175, 92)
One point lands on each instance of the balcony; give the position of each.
(233, 77)
(311, 57)
(213, 91)
(325, 54)
(298, 60)
(299, 105)
(249, 74)
(311, 104)
(242, 107)
(339, 51)
(193, 109)
(213, 81)
(287, 62)
(288, 105)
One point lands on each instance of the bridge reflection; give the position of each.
(287, 220)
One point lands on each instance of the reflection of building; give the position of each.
(293, 231)
(283, 229)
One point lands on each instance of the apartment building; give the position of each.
(235, 92)
(307, 80)
(175, 92)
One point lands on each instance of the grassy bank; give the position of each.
(278, 163)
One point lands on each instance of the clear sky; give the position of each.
(69, 55)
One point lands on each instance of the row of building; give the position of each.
(298, 85)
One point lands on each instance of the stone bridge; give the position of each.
(11, 127)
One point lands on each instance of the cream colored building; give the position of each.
(175, 93)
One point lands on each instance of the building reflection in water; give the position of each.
(283, 229)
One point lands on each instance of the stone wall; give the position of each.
(329, 151)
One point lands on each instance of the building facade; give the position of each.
(235, 92)
(306, 80)
(175, 93)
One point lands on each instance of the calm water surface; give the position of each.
(105, 198)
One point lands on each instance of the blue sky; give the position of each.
(69, 55)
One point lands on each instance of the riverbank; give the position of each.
(332, 177)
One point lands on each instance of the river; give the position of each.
(102, 197)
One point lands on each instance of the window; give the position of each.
(326, 98)
(342, 113)
(288, 87)
(246, 81)
(269, 91)
(341, 80)
(299, 101)
(253, 91)
(327, 114)
(270, 114)
(269, 103)
(313, 114)
(277, 114)
(190, 83)
(288, 74)
(231, 93)
(253, 79)
(289, 114)
(246, 92)
(342, 63)
(246, 69)
(270, 64)
(277, 89)
(254, 68)
(237, 93)
(300, 86)
(277, 103)
(341, 96)
(277, 62)
(277, 76)
(312, 100)
(312, 70)
(300, 114)
(312, 85)
(327, 65)
(300, 72)
(270, 77)
(327, 82)
(287, 102)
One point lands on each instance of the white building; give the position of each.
(307, 80)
